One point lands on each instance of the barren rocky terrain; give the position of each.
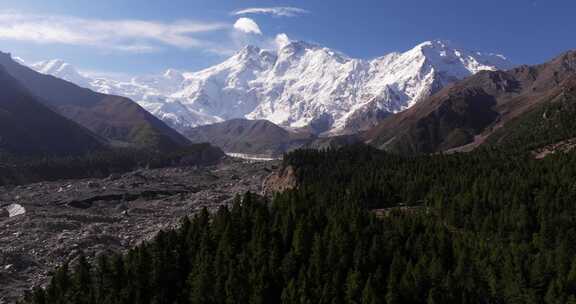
(95, 215)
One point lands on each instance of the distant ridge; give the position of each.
(115, 118)
(254, 137)
(27, 127)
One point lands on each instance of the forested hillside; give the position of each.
(363, 226)
(548, 123)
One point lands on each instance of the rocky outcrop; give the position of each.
(564, 146)
(281, 180)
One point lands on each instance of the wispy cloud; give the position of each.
(280, 11)
(123, 35)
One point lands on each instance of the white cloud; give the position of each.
(282, 11)
(123, 35)
(248, 26)
(281, 40)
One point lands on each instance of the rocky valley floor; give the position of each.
(62, 218)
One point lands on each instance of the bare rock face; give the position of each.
(564, 146)
(279, 181)
(44, 225)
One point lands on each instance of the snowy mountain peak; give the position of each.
(298, 47)
(19, 60)
(287, 47)
(248, 57)
(436, 44)
(53, 66)
(445, 52)
(281, 40)
(249, 51)
(172, 74)
(300, 84)
(61, 69)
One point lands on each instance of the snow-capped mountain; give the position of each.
(296, 86)
(61, 69)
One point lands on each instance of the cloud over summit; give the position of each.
(248, 26)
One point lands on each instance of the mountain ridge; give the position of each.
(28, 127)
(118, 119)
(300, 85)
(255, 137)
(451, 120)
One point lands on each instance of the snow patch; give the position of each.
(282, 40)
(15, 210)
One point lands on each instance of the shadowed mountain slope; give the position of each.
(29, 127)
(249, 137)
(118, 119)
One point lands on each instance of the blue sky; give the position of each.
(145, 36)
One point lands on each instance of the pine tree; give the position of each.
(38, 296)
(82, 282)
(369, 294)
(353, 287)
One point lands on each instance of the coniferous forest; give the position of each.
(363, 226)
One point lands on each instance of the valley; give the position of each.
(104, 215)
(418, 170)
(330, 152)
